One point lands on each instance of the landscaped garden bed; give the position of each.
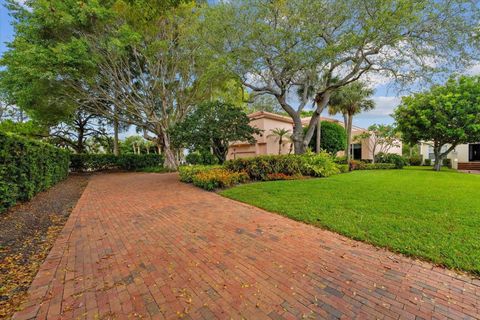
(416, 211)
(27, 232)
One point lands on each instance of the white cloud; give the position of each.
(384, 106)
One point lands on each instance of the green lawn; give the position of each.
(415, 211)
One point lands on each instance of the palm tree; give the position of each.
(349, 101)
(279, 134)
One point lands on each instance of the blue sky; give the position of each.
(385, 98)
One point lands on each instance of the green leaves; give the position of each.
(447, 114)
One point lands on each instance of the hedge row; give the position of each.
(28, 167)
(96, 162)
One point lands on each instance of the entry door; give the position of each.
(474, 152)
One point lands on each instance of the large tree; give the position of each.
(382, 138)
(276, 47)
(213, 126)
(350, 100)
(129, 61)
(444, 116)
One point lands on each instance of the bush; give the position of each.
(96, 162)
(258, 168)
(218, 178)
(333, 137)
(427, 162)
(187, 172)
(357, 165)
(204, 158)
(415, 160)
(28, 167)
(340, 160)
(282, 176)
(379, 166)
(447, 163)
(396, 159)
(319, 165)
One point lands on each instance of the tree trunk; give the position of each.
(298, 136)
(319, 135)
(170, 161)
(116, 149)
(349, 138)
(438, 158)
(280, 146)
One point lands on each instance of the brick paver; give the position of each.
(147, 246)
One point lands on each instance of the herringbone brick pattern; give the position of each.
(147, 246)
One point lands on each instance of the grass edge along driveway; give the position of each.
(430, 215)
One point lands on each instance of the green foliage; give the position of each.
(415, 160)
(30, 129)
(395, 159)
(218, 178)
(447, 163)
(201, 157)
(333, 137)
(448, 114)
(96, 162)
(259, 168)
(427, 162)
(214, 125)
(28, 167)
(186, 173)
(319, 165)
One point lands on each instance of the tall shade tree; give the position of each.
(350, 100)
(444, 116)
(134, 61)
(276, 47)
(213, 126)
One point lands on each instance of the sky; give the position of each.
(386, 99)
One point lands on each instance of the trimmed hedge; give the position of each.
(186, 173)
(28, 167)
(261, 167)
(96, 162)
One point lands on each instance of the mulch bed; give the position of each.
(27, 233)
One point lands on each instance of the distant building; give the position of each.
(267, 144)
(463, 157)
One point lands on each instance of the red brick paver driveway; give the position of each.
(148, 246)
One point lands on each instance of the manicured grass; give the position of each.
(415, 211)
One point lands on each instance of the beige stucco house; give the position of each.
(463, 157)
(268, 144)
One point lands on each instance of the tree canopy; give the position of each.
(445, 116)
(278, 47)
(213, 126)
(334, 137)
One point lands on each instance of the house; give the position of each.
(463, 157)
(266, 143)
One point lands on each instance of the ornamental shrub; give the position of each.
(396, 159)
(319, 165)
(258, 168)
(218, 178)
(96, 162)
(201, 157)
(415, 160)
(187, 172)
(28, 167)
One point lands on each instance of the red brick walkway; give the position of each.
(148, 246)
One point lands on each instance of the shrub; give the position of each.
(447, 163)
(187, 172)
(333, 138)
(357, 165)
(258, 168)
(197, 157)
(396, 159)
(218, 178)
(96, 162)
(415, 160)
(340, 160)
(343, 168)
(427, 162)
(310, 164)
(379, 166)
(28, 167)
(282, 176)
(319, 165)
